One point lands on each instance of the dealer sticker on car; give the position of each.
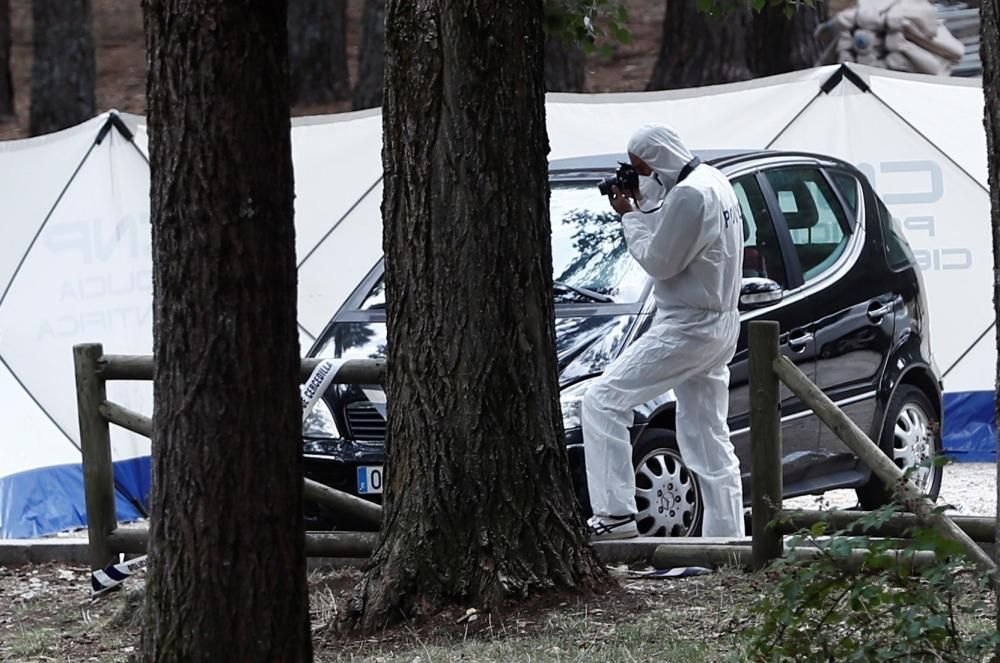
(369, 479)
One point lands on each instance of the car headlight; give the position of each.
(319, 422)
(571, 403)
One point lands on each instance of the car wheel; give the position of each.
(908, 437)
(667, 493)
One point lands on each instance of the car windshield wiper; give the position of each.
(583, 292)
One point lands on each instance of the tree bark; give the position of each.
(989, 54)
(371, 58)
(6, 81)
(227, 569)
(64, 70)
(783, 43)
(700, 48)
(317, 51)
(478, 505)
(564, 66)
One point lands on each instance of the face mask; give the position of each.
(651, 188)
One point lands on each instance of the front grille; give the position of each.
(364, 422)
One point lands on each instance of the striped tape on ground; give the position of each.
(103, 580)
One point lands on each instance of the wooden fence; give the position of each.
(768, 369)
(94, 369)
(769, 520)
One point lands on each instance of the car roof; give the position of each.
(719, 158)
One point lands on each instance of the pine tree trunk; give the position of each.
(317, 51)
(64, 70)
(785, 43)
(478, 505)
(6, 81)
(564, 66)
(227, 577)
(701, 49)
(989, 54)
(371, 57)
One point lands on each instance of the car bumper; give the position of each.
(335, 463)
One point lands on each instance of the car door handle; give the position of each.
(877, 311)
(799, 342)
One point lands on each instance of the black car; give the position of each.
(848, 295)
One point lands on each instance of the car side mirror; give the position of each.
(757, 292)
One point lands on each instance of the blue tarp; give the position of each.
(50, 499)
(969, 433)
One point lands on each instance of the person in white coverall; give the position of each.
(692, 247)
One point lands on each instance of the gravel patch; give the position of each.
(970, 488)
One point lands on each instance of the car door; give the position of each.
(852, 306)
(766, 254)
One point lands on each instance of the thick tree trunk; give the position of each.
(478, 505)
(371, 57)
(564, 66)
(317, 51)
(227, 575)
(6, 81)
(701, 49)
(64, 70)
(989, 54)
(784, 43)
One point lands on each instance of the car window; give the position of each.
(848, 187)
(761, 251)
(375, 298)
(814, 217)
(590, 260)
(588, 247)
(897, 250)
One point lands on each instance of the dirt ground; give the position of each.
(121, 58)
(46, 615)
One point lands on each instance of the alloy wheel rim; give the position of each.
(667, 495)
(913, 443)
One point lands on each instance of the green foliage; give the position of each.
(890, 608)
(596, 25)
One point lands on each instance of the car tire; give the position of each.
(902, 439)
(668, 494)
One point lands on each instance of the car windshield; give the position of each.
(588, 249)
(590, 262)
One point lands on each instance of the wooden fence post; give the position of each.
(95, 444)
(907, 493)
(765, 443)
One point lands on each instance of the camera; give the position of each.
(625, 178)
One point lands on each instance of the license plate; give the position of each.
(369, 479)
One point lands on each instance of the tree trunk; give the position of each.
(64, 70)
(479, 504)
(317, 51)
(6, 81)
(989, 54)
(227, 569)
(564, 66)
(700, 48)
(781, 43)
(371, 58)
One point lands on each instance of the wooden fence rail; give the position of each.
(93, 370)
(764, 399)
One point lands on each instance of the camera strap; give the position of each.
(688, 169)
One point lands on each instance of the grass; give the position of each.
(32, 641)
(563, 638)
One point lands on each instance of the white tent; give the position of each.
(75, 266)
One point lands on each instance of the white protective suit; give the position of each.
(692, 247)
